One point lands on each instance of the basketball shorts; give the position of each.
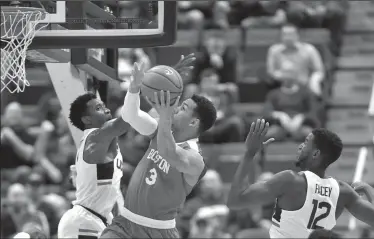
(80, 223)
(123, 228)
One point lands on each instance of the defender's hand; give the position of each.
(184, 65)
(256, 136)
(137, 77)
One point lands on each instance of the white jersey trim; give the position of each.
(147, 222)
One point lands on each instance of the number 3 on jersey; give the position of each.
(151, 179)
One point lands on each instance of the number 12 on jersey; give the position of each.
(313, 220)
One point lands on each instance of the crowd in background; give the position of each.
(36, 186)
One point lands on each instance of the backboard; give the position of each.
(102, 24)
(88, 33)
(105, 24)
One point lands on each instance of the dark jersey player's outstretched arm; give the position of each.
(357, 206)
(98, 142)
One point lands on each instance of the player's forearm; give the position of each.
(139, 120)
(166, 145)
(237, 199)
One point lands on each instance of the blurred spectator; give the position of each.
(217, 55)
(19, 211)
(188, 16)
(300, 57)
(291, 110)
(210, 192)
(210, 222)
(203, 14)
(16, 141)
(257, 13)
(31, 231)
(35, 188)
(49, 107)
(126, 59)
(330, 14)
(228, 126)
(53, 206)
(144, 10)
(54, 150)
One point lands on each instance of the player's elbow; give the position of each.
(125, 115)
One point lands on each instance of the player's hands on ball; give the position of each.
(256, 136)
(162, 105)
(138, 72)
(184, 65)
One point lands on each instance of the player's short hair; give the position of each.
(78, 109)
(329, 144)
(205, 112)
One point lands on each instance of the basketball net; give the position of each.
(18, 28)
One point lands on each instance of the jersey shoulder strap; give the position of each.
(86, 133)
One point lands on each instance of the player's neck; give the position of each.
(180, 137)
(319, 172)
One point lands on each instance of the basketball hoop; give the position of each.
(18, 28)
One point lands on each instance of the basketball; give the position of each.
(162, 78)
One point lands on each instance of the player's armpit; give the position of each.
(189, 162)
(358, 207)
(262, 193)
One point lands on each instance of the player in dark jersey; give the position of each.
(170, 168)
(307, 200)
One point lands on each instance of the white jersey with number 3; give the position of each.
(318, 210)
(98, 185)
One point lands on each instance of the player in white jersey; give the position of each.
(98, 169)
(304, 201)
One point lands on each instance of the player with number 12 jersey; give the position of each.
(305, 201)
(170, 168)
